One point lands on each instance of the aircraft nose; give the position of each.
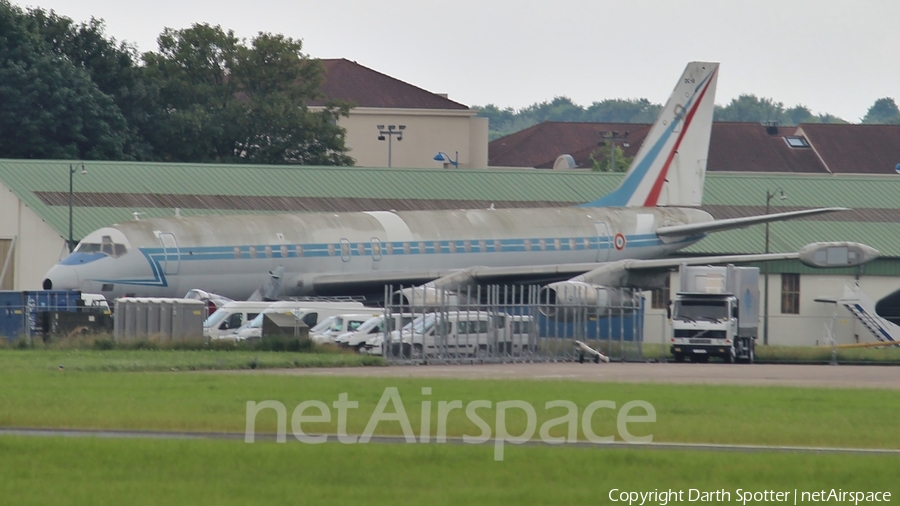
(61, 277)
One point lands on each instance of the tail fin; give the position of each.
(670, 167)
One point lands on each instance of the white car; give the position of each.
(371, 328)
(338, 324)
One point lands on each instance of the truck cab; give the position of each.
(716, 314)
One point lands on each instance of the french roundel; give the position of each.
(619, 242)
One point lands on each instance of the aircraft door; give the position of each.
(171, 256)
(376, 252)
(604, 244)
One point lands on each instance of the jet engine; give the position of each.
(559, 300)
(427, 297)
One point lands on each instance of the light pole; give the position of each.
(769, 196)
(444, 157)
(71, 193)
(391, 131)
(613, 137)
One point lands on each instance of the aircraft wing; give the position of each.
(677, 231)
(374, 282)
(631, 273)
(644, 273)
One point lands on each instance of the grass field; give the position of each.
(36, 393)
(64, 471)
(156, 390)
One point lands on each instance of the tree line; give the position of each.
(746, 107)
(70, 91)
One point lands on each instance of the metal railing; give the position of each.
(504, 323)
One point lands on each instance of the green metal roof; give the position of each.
(877, 194)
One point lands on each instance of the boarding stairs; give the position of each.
(863, 308)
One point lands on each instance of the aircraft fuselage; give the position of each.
(232, 255)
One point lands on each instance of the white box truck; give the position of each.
(716, 314)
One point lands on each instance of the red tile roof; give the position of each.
(752, 147)
(540, 145)
(856, 149)
(349, 81)
(733, 147)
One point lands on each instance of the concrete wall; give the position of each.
(809, 328)
(38, 247)
(428, 131)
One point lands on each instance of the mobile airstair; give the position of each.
(863, 308)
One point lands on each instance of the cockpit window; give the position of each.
(106, 246)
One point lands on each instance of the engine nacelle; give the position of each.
(559, 300)
(427, 297)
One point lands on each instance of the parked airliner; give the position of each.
(608, 243)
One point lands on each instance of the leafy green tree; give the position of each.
(113, 66)
(883, 112)
(226, 101)
(601, 160)
(49, 108)
(638, 110)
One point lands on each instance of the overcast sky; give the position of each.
(834, 56)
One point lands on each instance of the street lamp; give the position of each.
(391, 131)
(769, 196)
(444, 157)
(613, 137)
(72, 170)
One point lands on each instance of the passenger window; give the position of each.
(406, 248)
(421, 248)
(390, 248)
(361, 249)
(527, 244)
(482, 246)
(587, 243)
(310, 319)
(572, 243)
(543, 244)
(437, 247)
(498, 246)
(299, 250)
(252, 251)
(331, 250)
(268, 252)
(467, 246)
(284, 251)
(557, 244)
(237, 252)
(452, 246)
(345, 249)
(119, 250)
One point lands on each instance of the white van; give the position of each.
(228, 318)
(310, 316)
(339, 324)
(471, 333)
(371, 328)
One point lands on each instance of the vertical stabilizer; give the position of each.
(670, 167)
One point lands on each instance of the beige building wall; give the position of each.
(37, 248)
(809, 328)
(427, 132)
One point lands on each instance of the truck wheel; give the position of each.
(729, 357)
(581, 358)
(752, 356)
(361, 349)
(679, 358)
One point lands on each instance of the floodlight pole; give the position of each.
(389, 134)
(72, 170)
(612, 137)
(769, 196)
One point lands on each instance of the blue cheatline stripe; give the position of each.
(156, 256)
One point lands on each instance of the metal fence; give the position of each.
(511, 323)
